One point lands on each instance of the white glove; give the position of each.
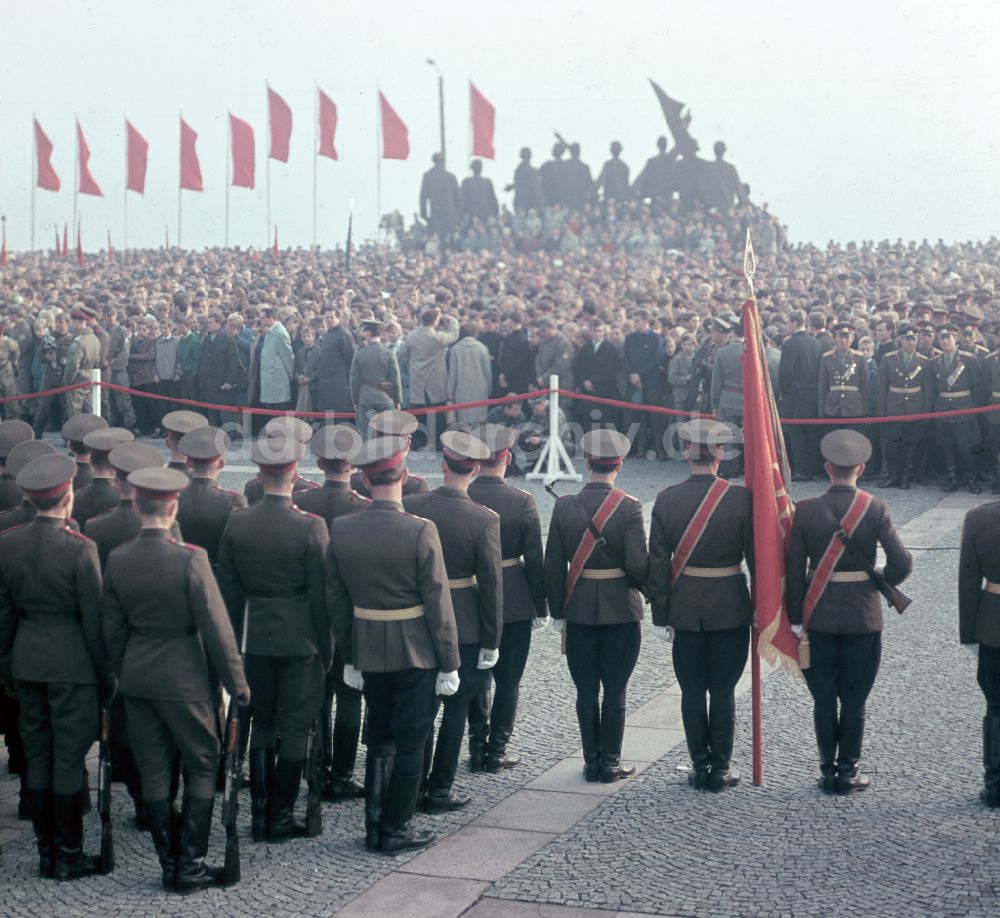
(971, 649)
(353, 678)
(447, 683)
(487, 658)
(664, 632)
(557, 625)
(798, 630)
(539, 624)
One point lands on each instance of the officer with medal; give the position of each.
(51, 644)
(271, 573)
(524, 609)
(700, 532)
(176, 424)
(160, 643)
(290, 428)
(101, 494)
(393, 423)
(387, 590)
(596, 563)
(836, 606)
(470, 537)
(843, 377)
(335, 447)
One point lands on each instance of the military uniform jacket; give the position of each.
(843, 385)
(991, 384)
(385, 558)
(374, 377)
(520, 546)
(82, 356)
(271, 566)
(903, 391)
(470, 537)
(98, 497)
(960, 386)
(24, 514)
(414, 484)
(727, 381)
(50, 613)
(160, 640)
(334, 499)
(701, 603)
(596, 602)
(978, 610)
(203, 511)
(116, 527)
(253, 490)
(10, 493)
(843, 608)
(84, 476)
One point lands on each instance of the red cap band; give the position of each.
(51, 492)
(142, 494)
(463, 461)
(384, 464)
(602, 460)
(267, 468)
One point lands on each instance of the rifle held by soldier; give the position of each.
(230, 796)
(314, 780)
(107, 863)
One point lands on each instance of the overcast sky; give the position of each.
(864, 120)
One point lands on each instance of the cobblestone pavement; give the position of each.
(653, 847)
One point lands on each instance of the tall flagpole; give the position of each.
(180, 185)
(315, 154)
(34, 178)
(378, 160)
(267, 180)
(125, 195)
(76, 172)
(229, 143)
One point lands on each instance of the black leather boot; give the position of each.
(326, 721)
(196, 824)
(378, 773)
(850, 780)
(282, 824)
(501, 730)
(967, 475)
(721, 727)
(166, 838)
(826, 741)
(612, 734)
(40, 802)
(261, 780)
(24, 812)
(990, 794)
(479, 728)
(398, 833)
(696, 734)
(341, 785)
(439, 798)
(589, 719)
(67, 830)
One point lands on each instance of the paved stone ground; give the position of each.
(652, 845)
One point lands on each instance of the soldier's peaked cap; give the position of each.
(393, 423)
(204, 443)
(337, 442)
(47, 476)
(842, 327)
(106, 439)
(158, 484)
(132, 456)
(380, 454)
(288, 427)
(463, 448)
(277, 453)
(845, 447)
(11, 434)
(608, 446)
(706, 432)
(24, 452)
(182, 422)
(497, 437)
(77, 427)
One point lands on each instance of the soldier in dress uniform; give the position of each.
(335, 447)
(727, 388)
(160, 643)
(979, 628)
(392, 423)
(991, 387)
(700, 532)
(843, 377)
(524, 610)
(176, 424)
(470, 536)
(102, 493)
(12, 433)
(271, 572)
(82, 357)
(204, 508)
(904, 388)
(838, 606)
(375, 382)
(957, 382)
(17, 459)
(74, 431)
(387, 590)
(51, 644)
(925, 340)
(290, 428)
(596, 563)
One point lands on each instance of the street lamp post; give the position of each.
(440, 103)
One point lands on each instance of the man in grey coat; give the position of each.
(469, 375)
(276, 363)
(375, 382)
(423, 352)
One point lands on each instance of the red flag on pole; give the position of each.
(58, 247)
(395, 137)
(88, 185)
(243, 153)
(190, 167)
(47, 177)
(111, 251)
(79, 247)
(327, 125)
(483, 120)
(65, 248)
(280, 121)
(137, 153)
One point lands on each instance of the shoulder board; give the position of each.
(967, 353)
(7, 532)
(241, 509)
(76, 534)
(992, 354)
(891, 354)
(192, 548)
(302, 512)
(855, 353)
(832, 350)
(631, 497)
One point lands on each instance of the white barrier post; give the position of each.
(95, 392)
(553, 457)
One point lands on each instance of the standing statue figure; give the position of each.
(656, 181)
(440, 204)
(527, 186)
(553, 176)
(579, 182)
(614, 176)
(479, 200)
(720, 182)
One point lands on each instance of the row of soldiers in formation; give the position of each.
(412, 597)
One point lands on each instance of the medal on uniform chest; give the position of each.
(959, 367)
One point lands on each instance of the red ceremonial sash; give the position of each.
(589, 541)
(824, 570)
(696, 528)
